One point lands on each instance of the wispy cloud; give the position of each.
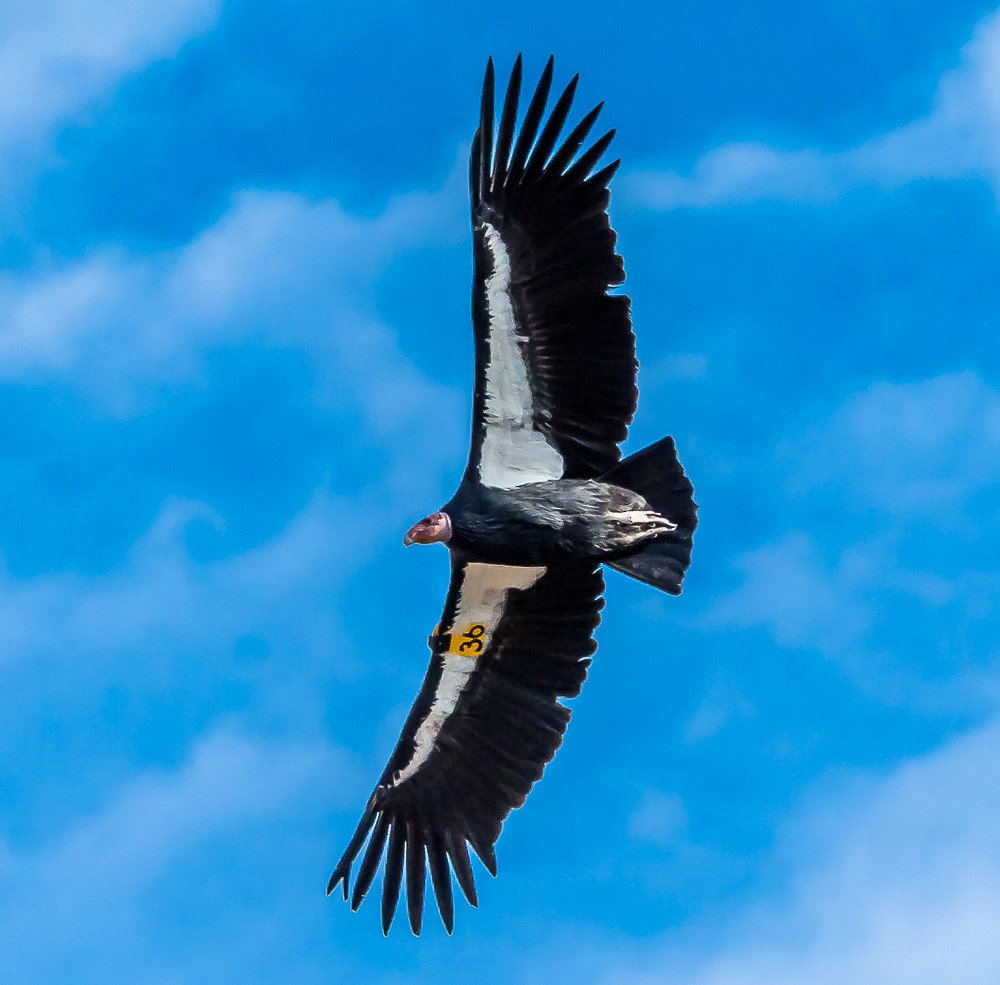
(896, 474)
(913, 451)
(58, 56)
(723, 702)
(69, 898)
(959, 137)
(801, 600)
(894, 881)
(659, 818)
(277, 270)
(166, 630)
(162, 601)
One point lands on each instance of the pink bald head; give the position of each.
(431, 529)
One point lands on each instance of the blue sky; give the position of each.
(235, 364)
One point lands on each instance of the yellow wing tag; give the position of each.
(471, 643)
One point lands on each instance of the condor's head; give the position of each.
(431, 529)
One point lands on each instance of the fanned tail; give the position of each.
(658, 476)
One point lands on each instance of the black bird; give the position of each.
(545, 500)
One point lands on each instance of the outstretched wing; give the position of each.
(511, 641)
(555, 354)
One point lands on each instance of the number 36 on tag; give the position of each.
(471, 643)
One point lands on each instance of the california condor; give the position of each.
(543, 503)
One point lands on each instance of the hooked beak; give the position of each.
(430, 530)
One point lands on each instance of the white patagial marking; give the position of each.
(481, 600)
(513, 451)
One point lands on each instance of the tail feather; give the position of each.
(658, 476)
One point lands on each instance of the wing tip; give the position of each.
(339, 875)
(508, 124)
(486, 855)
(500, 162)
(529, 125)
(416, 922)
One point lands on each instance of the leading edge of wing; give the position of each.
(555, 353)
(454, 777)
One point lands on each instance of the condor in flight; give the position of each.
(544, 502)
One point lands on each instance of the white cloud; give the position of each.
(898, 472)
(227, 780)
(142, 624)
(959, 137)
(277, 270)
(89, 893)
(798, 597)
(895, 882)
(157, 581)
(723, 702)
(913, 451)
(742, 172)
(58, 56)
(659, 818)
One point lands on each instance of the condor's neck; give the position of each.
(492, 525)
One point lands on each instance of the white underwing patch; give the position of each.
(513, 452)
(482, 598)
